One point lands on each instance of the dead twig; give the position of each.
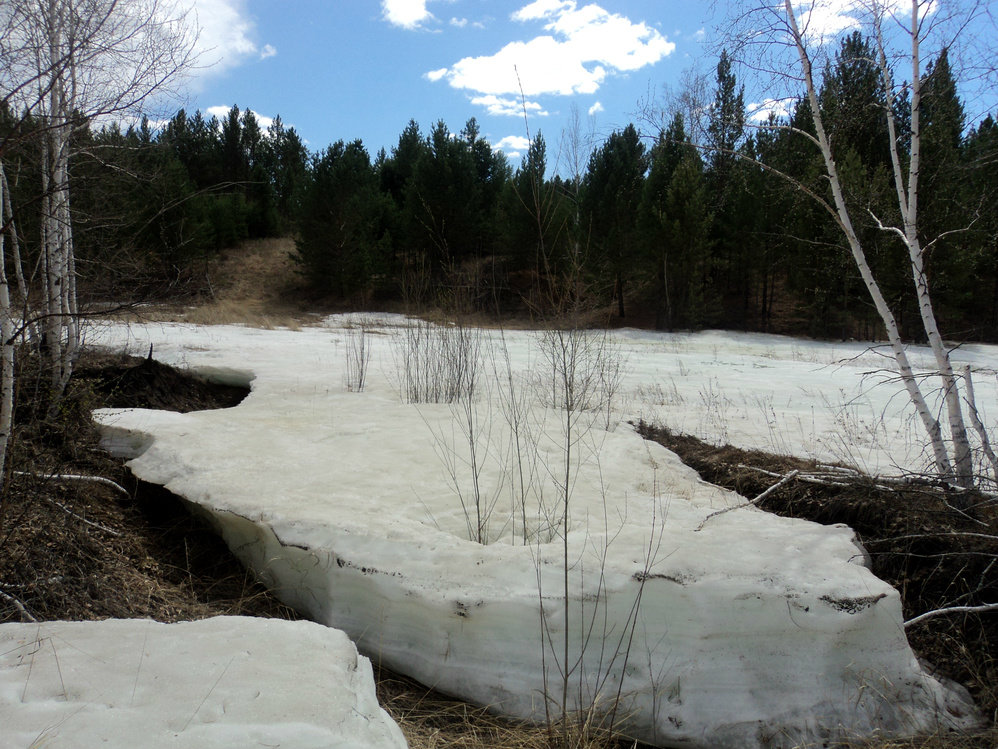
(18, 605)
(951, 610)
(76, 477)
(82, 519)
(789, 477)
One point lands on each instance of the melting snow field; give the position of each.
(365, 512)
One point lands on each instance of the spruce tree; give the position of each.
(725, 133)
(611, 195)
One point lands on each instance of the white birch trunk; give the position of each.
(29, 328)
(60, 313)
(6, 345)
(943, 465)
(908, 204)
(975, 419)
(79, 59)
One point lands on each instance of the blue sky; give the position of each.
(362, 68)
(349, 69)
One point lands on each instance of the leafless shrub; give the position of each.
(437, 363)
(358, 357)
(515, 399)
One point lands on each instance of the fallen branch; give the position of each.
(951, 610)
(82, 519)
(18, 605)
(947, 534)
(76, 477)
(841, 476)
(770, 490)
(809, 478)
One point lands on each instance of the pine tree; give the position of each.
(664, 158)
(676, 220)
(946, 206)
(611, 196)
(980, 242)
(342, 243)
(725, 133)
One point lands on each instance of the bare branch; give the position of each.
(22, 609)
(789, 477)
(74, 477)
(951, 610)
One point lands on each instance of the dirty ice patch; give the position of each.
(232, 682)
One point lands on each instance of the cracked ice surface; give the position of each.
(349, 505)
(227, 682)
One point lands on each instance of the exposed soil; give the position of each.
(131, 382)
(76, 549)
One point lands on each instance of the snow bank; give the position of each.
(234, 682)
(736, 631)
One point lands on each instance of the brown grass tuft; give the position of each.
(431, 720)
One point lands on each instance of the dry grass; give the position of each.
(241, 312)
(254, 284)
(431, 720)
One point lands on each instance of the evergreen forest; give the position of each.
(690, 223)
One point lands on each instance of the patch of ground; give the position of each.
(935, 555)
(255, 283)
(78, 549)
(133, 382)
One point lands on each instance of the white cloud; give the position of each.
(226, 34)
(542, 9)
(540, 66)
(582, 46)
(436, 75)
(700, 34)
(268, 50)
(507, 105)
(595, 108)
(221, 112)
(409, 14)
(826, 18)
(217, 111)
(512, 145)
(822, 20)
(459, 22)
(759, 111)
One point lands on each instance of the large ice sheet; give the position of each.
(232, 682)
(746, 631)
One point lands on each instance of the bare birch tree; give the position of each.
(70, 63)
(787, 39)
(7, 335)
(63, 65)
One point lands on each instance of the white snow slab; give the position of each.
(235, 682)
(727, 635)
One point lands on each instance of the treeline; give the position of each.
(149, 205)
(709, 222)
(712, 222)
